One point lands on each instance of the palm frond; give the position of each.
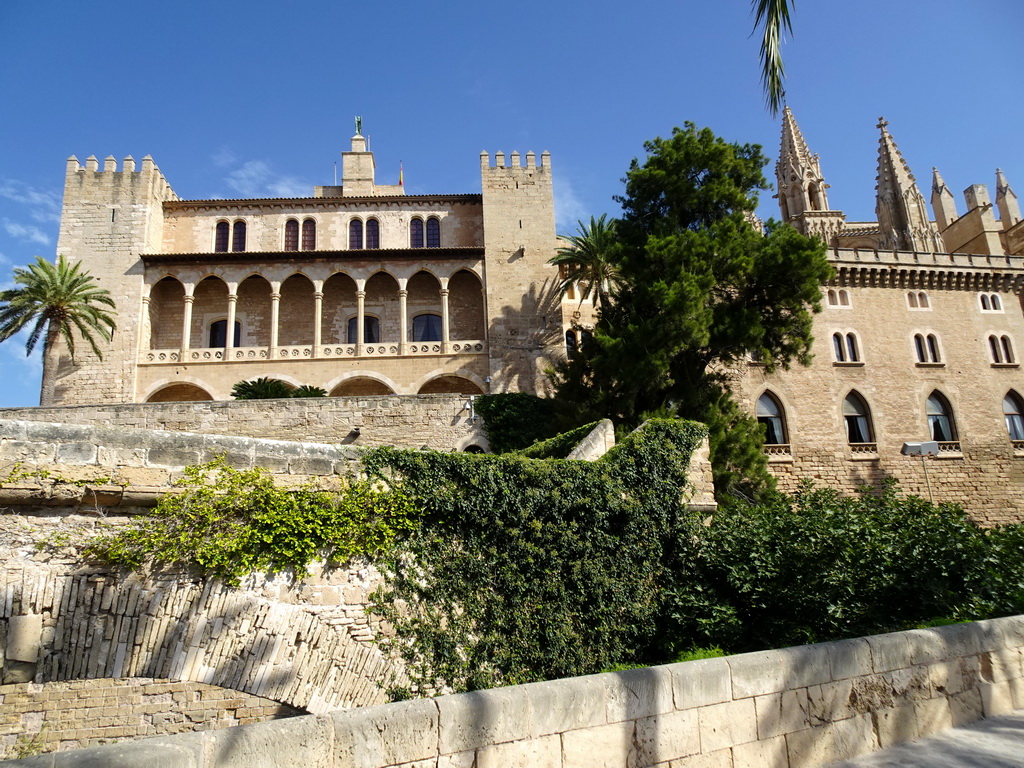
(774, 17)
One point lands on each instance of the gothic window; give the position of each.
(838, 297)
(372, 234)
(770, 416)
(433, 232)
(927, 348)
(219, 335)
(990, 302)
(858, 419)
(941, 426)
(371, 330)
(426, 327)
(291, 235)
(309, 235)
(220, 244)
(1013, 413)
(355, 235)
(1001, 349)
(845, 348)
(416, 233)
(570, 342)
(238, 236)
(918, 300)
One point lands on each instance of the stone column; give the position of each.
(445, 327)
(229, 336)
(186, 324)
(360, 320)
(275, 314)
(318, 304)
(145, 331)
(403, 316)
(483, 303)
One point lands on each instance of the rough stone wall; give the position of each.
(47, 717)
(440, 422)
(986, 476)
(797, 707)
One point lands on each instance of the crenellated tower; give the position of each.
(801, 186)
(109, 218)
(902, 215)
(523, 303)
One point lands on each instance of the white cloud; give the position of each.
(25, 232)
(569, 209)
(44, 205)
(224, 158)
(256, 179)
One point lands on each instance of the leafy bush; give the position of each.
(527, 570)
(228, 523)
(515, 420)
(559, 446)
(262, 388)
(308, 390)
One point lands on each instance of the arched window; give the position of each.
(416, 233)
(1013, 413)
(220, 243)
(858, 419)
(997, 305)
(371, 330)
(309, 235)
(922, 300)
(995, 350)
(941, 426)
(570, 342)
(837, 297)
(585, 337)
(927, 348)
(238, 236)
(219, 336)
(426, 327)
(912, 300)
(372, 234)
(291, 235)
(985, 303)
(990, 302)
(1007, 347)
(355, 235)
(839, 347)
(844, 297)
(845, 348)
(769, 415)
(1001, 349)
(433, 232)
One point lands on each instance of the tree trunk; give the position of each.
(51, 359)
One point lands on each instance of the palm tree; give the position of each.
(586, 261)
(263, 388)
(59, 299)
(774, 16)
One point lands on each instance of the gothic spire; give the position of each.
(798, 175)
(943, 203)
(902, 216)
(1006, 201)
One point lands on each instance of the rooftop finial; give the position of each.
(882, 123)
(359, 125)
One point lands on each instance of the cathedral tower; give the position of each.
(902, 217)
(802, 198)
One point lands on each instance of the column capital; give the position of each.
(189, 298)
(275, 296)
(318, 295)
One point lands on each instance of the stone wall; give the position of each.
(800, 707)
(46, 717)
(440, 422)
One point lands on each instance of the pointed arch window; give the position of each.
(941, 426)
(221, 237)
(416, 233)
(238, 236)
(1013, 414)
(291, 235)
(433, 232)
(309, 235)
(372, 234)
(857, 416)
(355, 235)
(771, 417)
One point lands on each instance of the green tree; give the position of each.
(587, 260)
(56, 300)
(308, 390)
(773, 17)
(263, 388)
(701, 289)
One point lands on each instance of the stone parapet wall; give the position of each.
(45, 717)
(800, 707)
(440, 422)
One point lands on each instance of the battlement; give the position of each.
(110, 175)
(514, 160)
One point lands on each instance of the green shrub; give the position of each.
(308, 390)
(559, 446)
(515, 420)
(262, 388)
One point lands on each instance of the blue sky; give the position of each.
(255, 98)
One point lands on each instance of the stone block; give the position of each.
(181, 751)
(720, 759)
(781, 713)
(481, 718)
(830, 701)
(667, 737)
(1011, 629)
(544, 752)
(24, 634)
(989, 634)
(966, 707)
(293, 742)
(166, 456)
(888, 652)
(702, 682)
(996, 698)
(766, 753)
(726, 725)
(932, 716)
(841, 740)
(638, 693)
(849, 658)
(895, 725)
(606, 746)
(76, 453)
(369, 737)
(1004, 664)
(926, 646)
(961, 640)
(566, 705)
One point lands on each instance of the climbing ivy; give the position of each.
(229, 522)
(514, 420)
(527, 570)
(559, 446)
